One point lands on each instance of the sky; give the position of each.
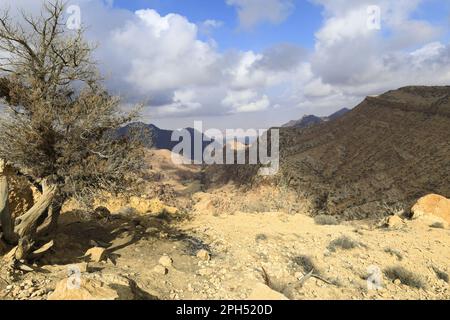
(260, 63)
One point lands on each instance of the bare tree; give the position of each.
(58, 124)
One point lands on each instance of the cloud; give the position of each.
(254, 12)
(246, 101)
(164, 61)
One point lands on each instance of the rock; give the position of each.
(88, 289)
(166, 261)
(263, 292)
(203, 255)
(394, 222)
(205, 272)
(125, 288)
(397, 282)
(432, 205)
(96, 254)
(159, 269)
(82, 267)
(154, 206)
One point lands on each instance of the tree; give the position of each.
(58, 124)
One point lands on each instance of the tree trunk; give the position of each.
(27, 224)
(48, 226)
(5, 214)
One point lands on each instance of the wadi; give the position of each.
(96, 203)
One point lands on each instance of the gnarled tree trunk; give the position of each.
(34, 225)
(26, 225)
(5, 214)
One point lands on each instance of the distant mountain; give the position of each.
(153, 137)
(311, 120)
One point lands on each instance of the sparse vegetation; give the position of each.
(260, 237)
(344, 243)
(437, 225)
(305, 263)
(405, 276)
(325, 220)
(442, 275)
(394, 252)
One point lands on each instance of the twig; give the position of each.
(311, 274)
(266, 278)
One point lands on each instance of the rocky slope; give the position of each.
(311, 120)
(380, 157)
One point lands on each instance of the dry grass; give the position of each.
(405, 276)
(306, 264)
(438, 225)
(344, 243)
(260, 237)
(442, 275)
(394, 252)
(325, 220)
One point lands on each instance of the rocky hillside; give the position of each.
(378, 158)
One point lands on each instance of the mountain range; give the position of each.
(311, 120)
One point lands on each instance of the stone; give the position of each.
(96, 254)
(166, 261)
(432, 205)
(205, 272)
(394, 222)
(263, 292)
(397, 282)
(88, 289)
(159, 269)
(82, 267)
(203, 255)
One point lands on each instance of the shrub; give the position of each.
(405, 276)
(306, 263)
(260, 237)
(441, 274)
(325, 220)
(438, 225)
(394, 252)
(344, 243)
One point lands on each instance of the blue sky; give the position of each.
(299, 28)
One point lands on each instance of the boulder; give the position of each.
(432, 205)
(263, 292)
(96, 254)
(393, 222)
(203, 255)
(166, 261)
(86, 289)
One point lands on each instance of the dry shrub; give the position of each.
(405, 276)
(325, 220)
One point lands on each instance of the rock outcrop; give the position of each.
(432, 206)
